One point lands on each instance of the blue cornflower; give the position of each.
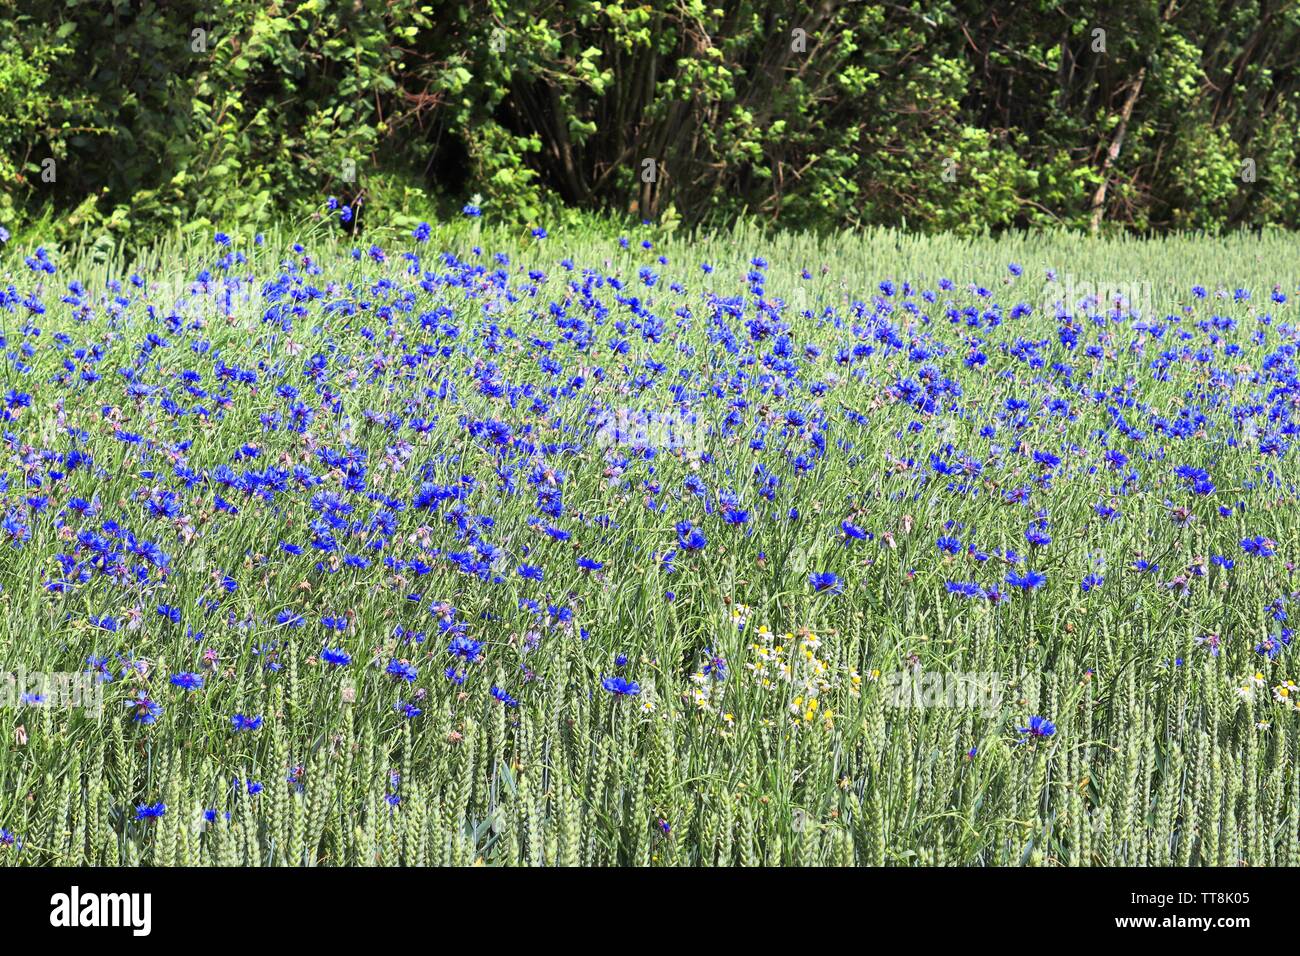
(690, 538)
(336, 657)
(715, 665)
(402, 670)
(1259, 545)
(620, 686)
(1038, 727)
(462, 646)
(147, 711)
(1027, 581)
(823, 581)
(1038, 538)
(949, 544)
(240, 722)
(852, 532)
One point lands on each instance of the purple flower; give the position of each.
(146, 710)
(1039, 727)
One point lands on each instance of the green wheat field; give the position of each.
(476, 545)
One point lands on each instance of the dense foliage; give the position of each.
(1146, 114)
(484, 544)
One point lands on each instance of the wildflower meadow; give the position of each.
(482, 542)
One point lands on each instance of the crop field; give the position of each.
(470, 544)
